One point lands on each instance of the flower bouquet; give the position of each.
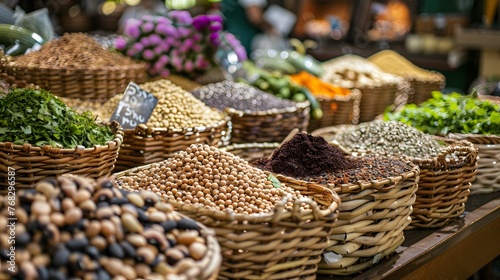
(177, 43)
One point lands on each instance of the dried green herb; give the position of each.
(451, 113)
(276, 183)
(39, 118)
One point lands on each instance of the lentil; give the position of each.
(239, 96)
(73, 50)
(220, 193)
(96, 244)
(391, 138)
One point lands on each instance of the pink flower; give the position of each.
(159, 49)
(120, 43)
(188, 66)
(164, 59)
(148, 54)
(155, 39)
(132, 28)
(147, 27)
(138, 46)
(215, 26)
(145, 41)
(182, 17)
(183, 32)
(200, 22)
(164, 73)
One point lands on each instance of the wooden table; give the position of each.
(455, 251)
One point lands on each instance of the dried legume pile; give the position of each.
(239, 96)
(391, 138)
(394, 63)
(75, 227)
(176, 108)
(306, 156)
(73, 50)
(352, 71)
(206, 176)
(311, 158)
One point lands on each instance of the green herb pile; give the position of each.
(39, 118)
(451, 113)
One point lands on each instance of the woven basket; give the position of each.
(338, 110)
(32, 164)
(375, 100)
(445, 180)
(267, 126)
(276, 245)
(488, 167)
(371, 220)
(144, 145)
(79, 83)
(420, 91)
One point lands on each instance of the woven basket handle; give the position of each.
(466, 147)
(296, 210)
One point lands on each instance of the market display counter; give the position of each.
(455, 251)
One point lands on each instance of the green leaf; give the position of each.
(26, 130)
(276, 183)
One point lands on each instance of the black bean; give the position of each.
(169, 225)
(78, 244)
(115, 250)
(107, 184)
(142, 216)
(103, 275)
(187, 224)
(61, 256)
(128, 249)
(22, 239)
(55, 274)
(118, 200)
(102, 204)
(92, 252)
(43, 274)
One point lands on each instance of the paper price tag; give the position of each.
(135, 107)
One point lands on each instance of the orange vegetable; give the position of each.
(318, 87)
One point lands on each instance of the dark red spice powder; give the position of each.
(306, 155)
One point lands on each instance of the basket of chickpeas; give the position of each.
(178, 120)
(266, 229)
(75, 227)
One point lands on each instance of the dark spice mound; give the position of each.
(369, 168)
(306, 155)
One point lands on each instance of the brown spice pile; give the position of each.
(306, 155)
(312, 159)
(73, 50)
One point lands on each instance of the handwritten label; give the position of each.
(135, 107)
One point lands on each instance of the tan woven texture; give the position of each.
(375, 100)
(33, 164)
(276, 245)
(445, 181)
(80, 83)
(144, 145)
(371, 220)
(422, 82)
(268, 126)
(488, 166)
(338, 110)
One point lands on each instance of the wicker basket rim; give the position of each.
(354, 94)
(47, 149)
(271, 217)
(145, 127)
(337, 188)
(298, 106)
(454, 146)
(476, 138)
(12, 65)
